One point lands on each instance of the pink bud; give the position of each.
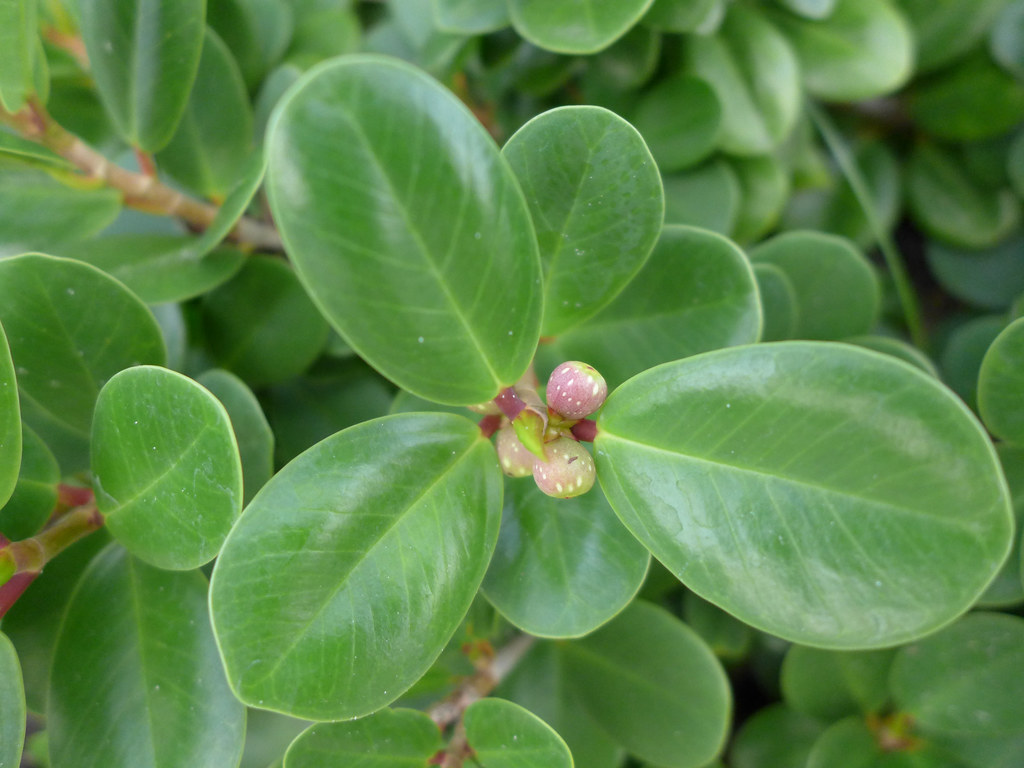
(514, 459)
(576, 390)
(569, 469)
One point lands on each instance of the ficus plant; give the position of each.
(511, 383)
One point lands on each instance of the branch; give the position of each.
(140, 191)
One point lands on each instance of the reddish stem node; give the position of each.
(489, 424)
(585, 430)
(510, 403)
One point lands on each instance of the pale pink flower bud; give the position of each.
(576, 390)
(513, 457)
(569, 470)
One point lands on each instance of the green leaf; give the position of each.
(18, 47)
(629, 63)
(974, 100)
(399, 738)
(1008, 589)
(951, 206)
(12, 705)
(707, 197)
(252, 432)
(35, 494)
(341, 583)
(261, 325)
(944, 31)
(680, 15)
(775, 737)
(990, 278)
(899, 349)
(811, 9)
(420, 253)
(165, 467)
(562, 567)
(471, 17)
(966, 679)
(540, 684)
(157, 268)
(1001, 382)
(37, 212)
(578, 26)
(10, 423)
(654, 686)
(1006, 38)
(963, 351)
(596, 201)
(754, 72)
(850, 744)
(837, 290)
(70, 327)
(322, 33)
(679, 119)
(30, 153)
(696, 293)
(778, 302)
(830, 685)
(504, 735)
(764, 190)
(213, 140)
(864, 49)
(728, 637)
(779, 482)
(165, 701)
(144, 55)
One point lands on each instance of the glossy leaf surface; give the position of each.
(654, 686)
(165, 467)
(578, 26)
(390, 738)
(1008, 587)
(966, 679)
(1001, 384)
(420, 253)
(837, 291)
(261, 325)
(144, 55)
(10, 422)
(70, 327)
(165, 701)
(18, 47)
(862, 50)
(212, 142)
(354, 565)
(562, 567)
(764, 187)
(754, 72)
(12, 706)
(727, 636)
(707, 196)
(778, 302)
(35, 493)
(990, 278)
(252, 432)
(504, 735)
(680, 119)
(696, 293)
(830, 685)
(471, 17)
(754, 475)
(850, 743)
(775, 737)
(595, 197)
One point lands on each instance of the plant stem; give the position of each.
(142, 191)
(848, 165)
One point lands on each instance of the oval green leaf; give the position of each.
(562, 567)
(261, 325)
(830, 685)
(755, 74)
(580, 26)
(966, 679)
(35, 494)
(471, 17)
(781, 483)
(165, 701)
(945, 31)
(727, 636)
(504, 735)
(679, 119)
(70, 327)
(837, 290)
(682, 15)
(990, 278)
(778, 302)
(391, 738)
(595, 197)
(964, 346)
(18, 47)
(764, 190)
(811, 9)
(349, 571)
(165, 467)
(1006, 38)
(696, 293)
(1008, 587)
(213, 140)
(1001, 384)
(12, 705)
(707, 197)
(252, 432)
(899, 349)
(864, 49)
(654, 686)
(775, 737)
(10, 422)
(144, 55)
(420, 253)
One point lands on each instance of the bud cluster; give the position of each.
(560, 465)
